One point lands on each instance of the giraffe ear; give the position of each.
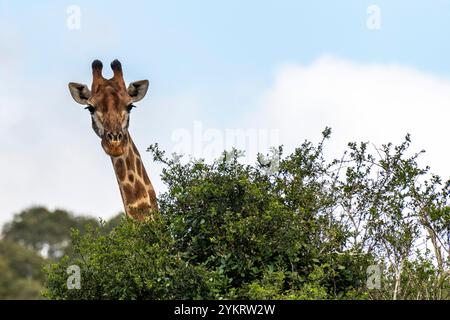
(80, 92)
(138, 89)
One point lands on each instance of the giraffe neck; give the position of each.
(138, 194)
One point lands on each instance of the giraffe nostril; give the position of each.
(110, 136)
(114, 137)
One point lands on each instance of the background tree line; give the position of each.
(33, 239)
(294, 226)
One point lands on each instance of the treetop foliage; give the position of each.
(288, 227)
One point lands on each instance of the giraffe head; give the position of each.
(110, 102)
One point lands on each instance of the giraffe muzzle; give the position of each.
(114, 143)
(114, 137)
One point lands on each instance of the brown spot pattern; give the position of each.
(120, 169)
(130, 162)
(128, 192)
(135, 214)
(135, 149)
(130, 166)
(139, 167)
(139, 190)
(146, 179)
(134, 193)
(153, 200)
(140, 211)
(131, 178)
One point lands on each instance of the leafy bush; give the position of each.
(134, 261)
(289, 227)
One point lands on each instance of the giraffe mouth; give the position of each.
(113, 149)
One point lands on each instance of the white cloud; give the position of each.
(361, 102)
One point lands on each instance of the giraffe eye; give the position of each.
(91, 109)
(131, 106)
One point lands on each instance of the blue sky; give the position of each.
(216, 43)
(214, 62)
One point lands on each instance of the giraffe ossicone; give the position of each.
(109, 102)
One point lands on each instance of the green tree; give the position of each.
(288, 227)
(395, 211)
(134, 261)
(47, 232)
(29, 239)
(21, 272)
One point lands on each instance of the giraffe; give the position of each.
(110, 102)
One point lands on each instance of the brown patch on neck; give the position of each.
(138, 195)
(135, 194)
(139, 190)
(153, 199)
(145, 177)
(128, 194)
(130, 161)
(139, 167)
(136, 152)
(139, 212)
(119, 166)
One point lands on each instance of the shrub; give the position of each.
(288, 227)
